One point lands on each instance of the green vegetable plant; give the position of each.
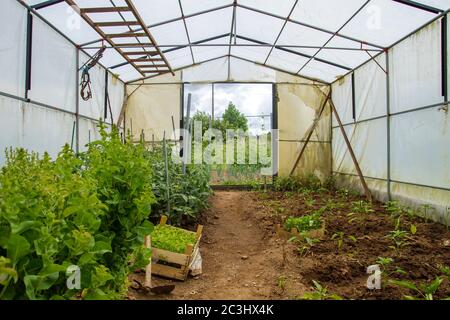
(386, 267)
(340, 238)
(360, 211)
(281, 283)
(88, 210)
(171, 238)
(304, 243)
(304, 223)
(189, 192)
(400, 238)
(424, 291)
(320, 293)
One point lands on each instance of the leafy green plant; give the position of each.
(424, 291)
(320, 293)
(189, 192)
(305, 244)
(123, 174)
(50, 217)
(340, 238)
(399, 237)
(386, 264)
(281, 283)
(89, 211)
(171, 238)
(304, 223)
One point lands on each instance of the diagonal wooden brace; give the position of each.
(308, 137)
(352, 154)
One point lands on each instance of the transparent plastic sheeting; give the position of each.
(370, 92)
(419, 140)
(369, 142)
(53, 77)
(150, 109)
(380, 22)
(53, 83)
(298, 107)
(33, 127)
(415, 66)
(13, 19)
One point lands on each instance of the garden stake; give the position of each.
(148, 276)
(166, 168)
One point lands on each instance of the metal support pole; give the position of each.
(29, 51)
(212, 105)
(308, 137)
(352, 154)
(77, 100)
(444, 48)
(388, 126)
(274, 135)
(106, 98)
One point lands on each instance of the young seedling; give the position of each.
(340, 238)
(320, 293)
(423, 291)
(281, 283)
(305, 244)
(360, 210)
(386, 264)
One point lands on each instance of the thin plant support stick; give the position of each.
(73, 134)
(173, 129)
(311, 131)
(166, 168)
(352, 154)
(186, 128)
(148, 269)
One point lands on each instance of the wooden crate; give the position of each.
(179, 262)
(316, 234)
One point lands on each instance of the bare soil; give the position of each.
(243, 258)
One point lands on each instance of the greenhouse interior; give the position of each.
(224, 149)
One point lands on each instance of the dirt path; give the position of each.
(241, 260)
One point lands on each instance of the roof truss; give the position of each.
(153, 54)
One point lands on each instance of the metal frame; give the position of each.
(234, 34)
(32, 10)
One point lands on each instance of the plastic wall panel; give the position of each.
(298, 106)
(420, 148)
(369, 143)
(10, 124)
(150, 109)
(116, 91)
(341, 93)
(371, 89)
(53, 78)
(13, 22)
(415, 70)
(33, 127)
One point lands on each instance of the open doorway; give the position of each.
(248, 111)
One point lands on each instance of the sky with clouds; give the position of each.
(253, 100)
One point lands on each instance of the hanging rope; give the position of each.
(86, 92)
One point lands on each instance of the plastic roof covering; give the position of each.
(319, 39)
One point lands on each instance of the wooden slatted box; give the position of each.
(175, 265)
